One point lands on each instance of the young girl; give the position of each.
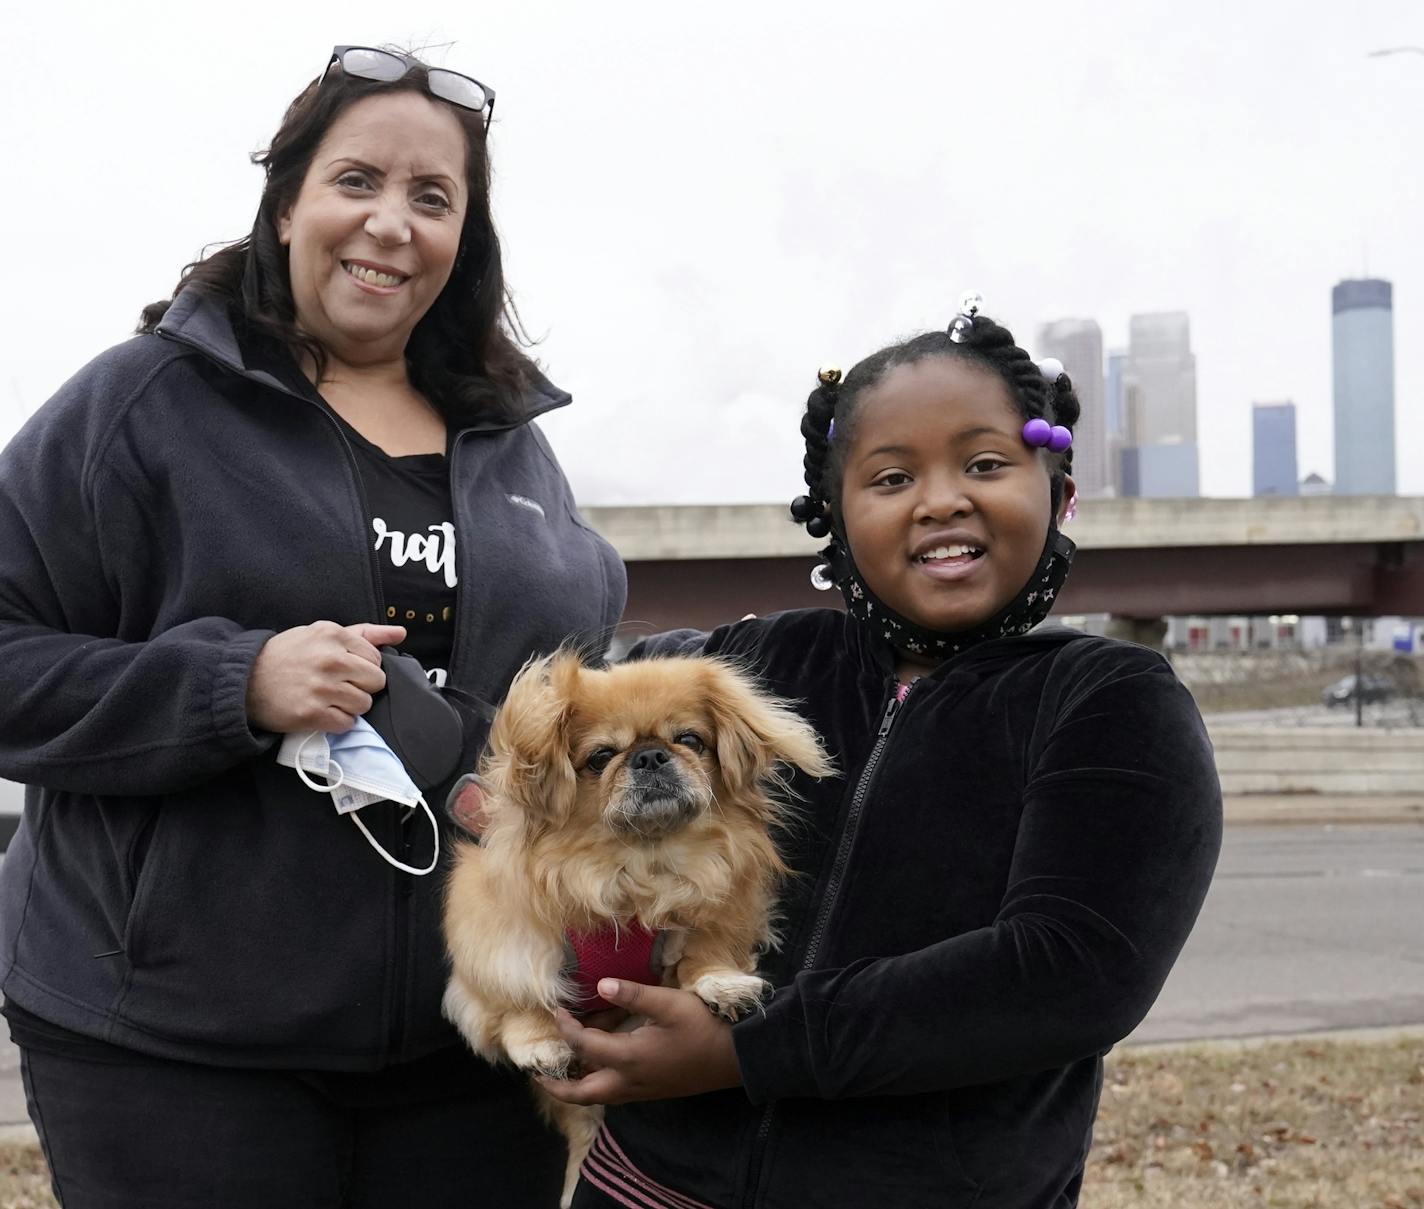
(994, 891)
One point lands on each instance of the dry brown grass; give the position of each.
(24, 1180)
(1282, 1125)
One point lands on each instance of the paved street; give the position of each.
(1305, 928)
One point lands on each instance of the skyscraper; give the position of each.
(1078, 343)
(1160, 389)
(1363, 340)
(1115, 408)
(1273, 460)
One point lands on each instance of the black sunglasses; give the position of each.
(387, 66)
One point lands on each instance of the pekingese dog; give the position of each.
(626, 831)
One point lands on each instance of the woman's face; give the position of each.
(373, 233)
(945, 507)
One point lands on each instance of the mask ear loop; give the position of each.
(332, 766)
(355, 817)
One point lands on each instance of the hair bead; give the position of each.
(803, 508)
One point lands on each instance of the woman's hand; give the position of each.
(318, 677)
(682, 1049)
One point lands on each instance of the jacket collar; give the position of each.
(201, 322)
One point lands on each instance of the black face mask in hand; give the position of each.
(417, 723)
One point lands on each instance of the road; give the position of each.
(1305, 928)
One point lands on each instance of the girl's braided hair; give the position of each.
(985, 343)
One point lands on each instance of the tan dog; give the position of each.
(642, 797)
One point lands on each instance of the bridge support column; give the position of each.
(1146, 631)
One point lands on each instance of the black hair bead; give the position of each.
(803, 508)
(818, 526)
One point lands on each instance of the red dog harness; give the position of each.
(629, 952)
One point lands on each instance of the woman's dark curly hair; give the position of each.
(461, 355)
(986, 344)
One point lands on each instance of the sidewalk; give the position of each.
(1255, 808)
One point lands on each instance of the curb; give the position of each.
(1382, 1034)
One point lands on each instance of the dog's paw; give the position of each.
(731, 994)
(551, 1058)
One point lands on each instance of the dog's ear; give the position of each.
(529, 765)
(756, 732)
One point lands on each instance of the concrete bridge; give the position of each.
(1138, 559)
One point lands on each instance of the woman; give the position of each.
(321, 447)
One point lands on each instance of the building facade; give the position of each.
(1273, 457)
(1078, 343)
(1363, 346)
(1160, 400)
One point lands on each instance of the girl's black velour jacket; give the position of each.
(988, 897)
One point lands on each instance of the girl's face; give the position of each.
(945, 507)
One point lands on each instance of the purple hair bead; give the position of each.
(1037, 433)
(1059, 438)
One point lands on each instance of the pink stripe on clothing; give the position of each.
(609, 1170)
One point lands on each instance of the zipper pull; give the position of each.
(890, 711)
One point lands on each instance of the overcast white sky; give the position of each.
(702, 203)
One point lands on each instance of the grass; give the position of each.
(1290, 1124)
(1279, 1125)
(24, 1180)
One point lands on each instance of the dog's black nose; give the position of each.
(649, 759)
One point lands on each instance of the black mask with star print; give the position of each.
(1026, 610)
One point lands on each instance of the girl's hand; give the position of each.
(317, 677)
(682, 1049)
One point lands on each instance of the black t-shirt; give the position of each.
(413, 531)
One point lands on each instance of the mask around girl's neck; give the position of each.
(1028, 607)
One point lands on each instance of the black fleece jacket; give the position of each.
(988, 898)
(172, 888)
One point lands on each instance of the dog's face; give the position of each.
(642, 751)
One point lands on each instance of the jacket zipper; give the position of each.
(459, 548)
(402, 886)
(828, 902)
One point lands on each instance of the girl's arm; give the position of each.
(1116, 846)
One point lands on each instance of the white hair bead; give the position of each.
(1051, 368)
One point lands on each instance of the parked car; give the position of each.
(1372, 688)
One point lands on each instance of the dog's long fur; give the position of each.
(680, 843)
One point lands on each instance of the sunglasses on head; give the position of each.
(387, 66)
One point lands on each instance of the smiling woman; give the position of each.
(321, 446)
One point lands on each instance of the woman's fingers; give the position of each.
(368, 636)
(320, 676)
